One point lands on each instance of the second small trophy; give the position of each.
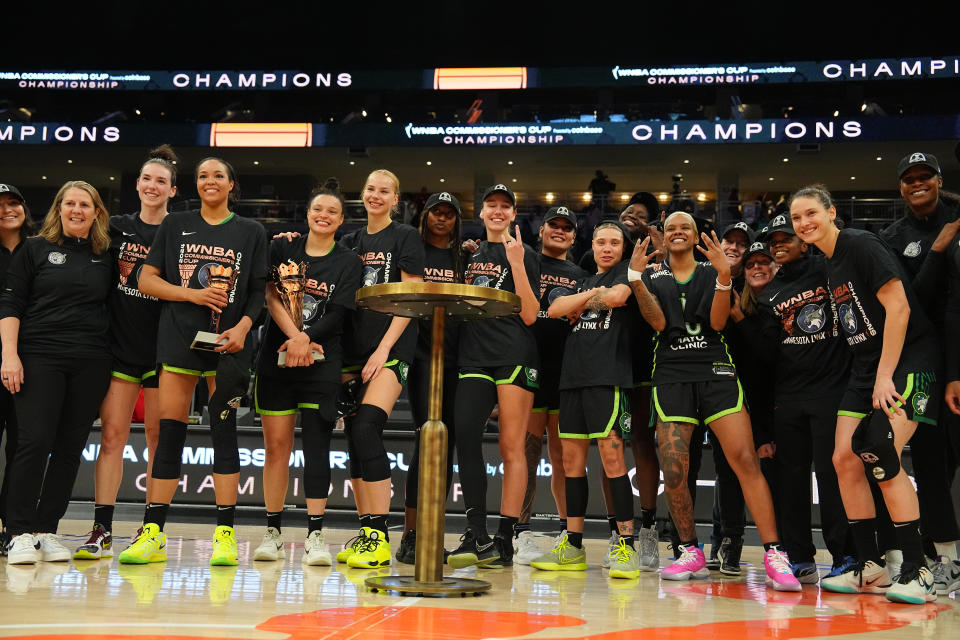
(290, 279)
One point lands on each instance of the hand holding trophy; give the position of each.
(223, 278)
(290, 280)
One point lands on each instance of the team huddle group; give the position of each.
(831, 338)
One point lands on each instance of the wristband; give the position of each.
(633, 275)
(723, 287)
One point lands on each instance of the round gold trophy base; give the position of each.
(439, 300)
(410, 586)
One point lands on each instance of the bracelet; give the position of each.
(633, 275)
(723, 287)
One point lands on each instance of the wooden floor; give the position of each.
(185, 598)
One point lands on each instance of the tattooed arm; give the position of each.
(649, 307)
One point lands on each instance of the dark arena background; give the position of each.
(720, 113)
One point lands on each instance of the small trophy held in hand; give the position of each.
(223, 278)
(290, 280)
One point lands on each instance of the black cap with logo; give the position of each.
(500, 188)
(740, 226)
(755, 248)
(780, 224)
(560, 212)
(917, 158)
(443, 198)
(11, 190)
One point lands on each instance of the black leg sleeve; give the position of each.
(315, 432)
(476, 398)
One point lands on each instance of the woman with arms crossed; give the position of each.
(558, 277)
(596, 376)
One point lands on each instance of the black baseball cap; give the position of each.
(780, 224)
(500, 188)
(12, 190)
(443, 197)
(740, 226)
(560, 212)
(917, 158)
(873, 441)
(755, 248)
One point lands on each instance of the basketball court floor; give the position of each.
(184, 599)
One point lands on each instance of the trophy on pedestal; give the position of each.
(290, 279)
(223, 278)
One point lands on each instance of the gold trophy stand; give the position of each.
(439, 300)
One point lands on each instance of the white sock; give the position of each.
(946, 549)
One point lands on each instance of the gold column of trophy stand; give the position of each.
(439, 300)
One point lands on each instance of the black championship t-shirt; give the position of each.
(134, 316)
(599, 349)
(439, 267)
(861, 264)
(811, 357)
(384, 254)
(332, 281)
(557, 278)
(498, 342)
(184, 250)
(688, 349)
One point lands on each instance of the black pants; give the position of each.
(56, 407)
(8, 424)
(418, 392)
(804, 433)
(928, 450)
(729, 518)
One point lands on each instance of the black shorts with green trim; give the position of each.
(695, 402)
(399, 368)
(591, 412)
(284, 396)
(524, 377)
(146, 377)
(546, 398)
(920, 391)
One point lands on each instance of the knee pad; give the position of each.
(166, 460)
(622, 494)
(367, 429)
(873, 442)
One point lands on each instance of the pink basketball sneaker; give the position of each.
(779, 573)
(690, 564)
